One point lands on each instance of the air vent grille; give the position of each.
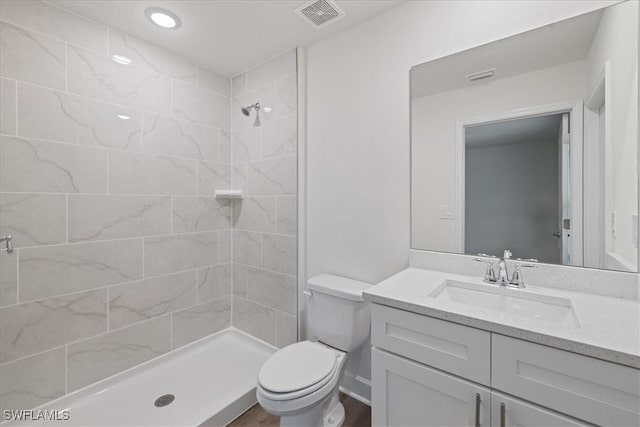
(320, 13)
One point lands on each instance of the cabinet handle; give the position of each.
(477, 409)
(503, 415)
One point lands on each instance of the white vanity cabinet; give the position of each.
(431, 372)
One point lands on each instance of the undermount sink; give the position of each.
(509, 301)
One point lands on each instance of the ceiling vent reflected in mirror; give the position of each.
(320, 13)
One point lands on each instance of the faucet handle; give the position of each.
(490, 273)
(527, 260)
(517, 280)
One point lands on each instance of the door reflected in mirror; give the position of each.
(530, 143)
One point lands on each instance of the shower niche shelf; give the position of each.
(228, 194)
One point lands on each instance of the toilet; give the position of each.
(300, 382)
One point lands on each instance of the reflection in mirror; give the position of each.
(530, 144)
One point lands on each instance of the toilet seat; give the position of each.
(297, 370)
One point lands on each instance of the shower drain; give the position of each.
(164, 400)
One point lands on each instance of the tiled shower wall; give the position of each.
(264, 223)
(122, 252)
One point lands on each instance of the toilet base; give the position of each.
(328, 413)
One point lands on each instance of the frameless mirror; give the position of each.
(530, 143)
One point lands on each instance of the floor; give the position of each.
(358, 415)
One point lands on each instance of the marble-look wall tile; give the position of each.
(136, 301)
(192, 214)
(7, 106)
(8, 278)
(287, 214)
(274, 69)
(214, 82)
(32, 381)
(168, 254)
(213, 176)
(214, 282)
(36, 166)
(201, 106)
(286, 97)
(117, 217)
(151, 57)
(255, 214)
(33, 219)
(201, 320)
(98, 76)
(247, 248)
(274, 290)
(45, 324)
(255, 319)
(58, 116)
(55, 22)
(286, 329)
(32, 57)
(279, 253)
(246, 144)
(240, 175)
(273, 176)
(239, 280)
(280, 138)
(171, 137)
(54, 270)
(226, 252)
(131, 173)
(99, 357)
(239, 85)
(224, 146)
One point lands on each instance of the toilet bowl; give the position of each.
(300, 382)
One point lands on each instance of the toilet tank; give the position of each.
(337, 314)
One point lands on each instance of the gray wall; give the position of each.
(122, 252)
(511, 200)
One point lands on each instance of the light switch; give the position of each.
(446, 212)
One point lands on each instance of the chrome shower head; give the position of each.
(247, 111)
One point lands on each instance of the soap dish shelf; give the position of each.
(228, 194)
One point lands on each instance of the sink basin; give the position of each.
(508, 301)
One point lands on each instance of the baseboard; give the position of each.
(357, 387)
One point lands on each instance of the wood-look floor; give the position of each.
(357, 415)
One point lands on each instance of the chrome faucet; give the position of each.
(502, 276)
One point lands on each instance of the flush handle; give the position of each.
(307, 293)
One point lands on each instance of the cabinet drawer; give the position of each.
(589, 389)
(461, 350)
(515, 412)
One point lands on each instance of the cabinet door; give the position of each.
(406, 394)
(509, 412)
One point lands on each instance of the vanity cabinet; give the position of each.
(431, 372)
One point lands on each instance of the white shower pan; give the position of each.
(213, 381)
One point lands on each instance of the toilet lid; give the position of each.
(296, 367)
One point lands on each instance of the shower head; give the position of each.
(247, 110)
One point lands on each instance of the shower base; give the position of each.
(212, 381)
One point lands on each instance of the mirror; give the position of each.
(530, 143)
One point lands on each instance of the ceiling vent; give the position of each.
(320, 13)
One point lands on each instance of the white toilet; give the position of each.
(300, 382)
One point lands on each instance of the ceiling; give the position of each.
(544, 47)
(532, 129)
(229, 37)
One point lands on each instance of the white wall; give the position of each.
(617, 41)
(434, 122)
(358, 126)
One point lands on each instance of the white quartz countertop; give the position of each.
(608, 328)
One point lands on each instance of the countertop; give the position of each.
(608, 329)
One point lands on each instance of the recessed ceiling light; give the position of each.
(121, 59)
(163, 17)
(123, 117)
